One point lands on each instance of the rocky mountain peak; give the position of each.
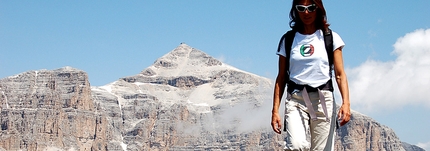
(182, 60)
(201, 80)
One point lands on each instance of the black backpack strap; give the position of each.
(328, 40)
(288, 39)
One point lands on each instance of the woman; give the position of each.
(310, 119)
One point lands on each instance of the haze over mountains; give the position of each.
(187, 100)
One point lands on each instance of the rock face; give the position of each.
(187, 100)
(363, 133)
(43, 109)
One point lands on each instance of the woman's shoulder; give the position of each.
(337, 40)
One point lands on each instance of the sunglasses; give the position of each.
(303, 8)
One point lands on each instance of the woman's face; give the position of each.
(307, 11)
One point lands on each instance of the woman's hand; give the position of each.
(344, 114)
(276, 123)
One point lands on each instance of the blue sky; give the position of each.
(114, 39)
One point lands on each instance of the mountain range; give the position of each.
(186, 100)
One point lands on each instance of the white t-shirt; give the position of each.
(308, 59)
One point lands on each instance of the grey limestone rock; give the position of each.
(187, 100)
(43, 109)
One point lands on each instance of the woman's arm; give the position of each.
(342, 82)
(277, 96)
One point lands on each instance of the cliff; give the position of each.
(43, 109)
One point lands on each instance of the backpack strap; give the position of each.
(328, 40)
(288, 39)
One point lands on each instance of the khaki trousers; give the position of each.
(305, 133)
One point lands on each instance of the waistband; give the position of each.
(293, 86)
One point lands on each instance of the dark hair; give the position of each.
(320, 21)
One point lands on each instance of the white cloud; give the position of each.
(241, 117)
(425, 146)
(393, 84)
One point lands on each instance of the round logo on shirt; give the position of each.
(307, 50)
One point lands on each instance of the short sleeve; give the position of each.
(281, 48)
(337, 41)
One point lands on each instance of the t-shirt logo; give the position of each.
(307, 50)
